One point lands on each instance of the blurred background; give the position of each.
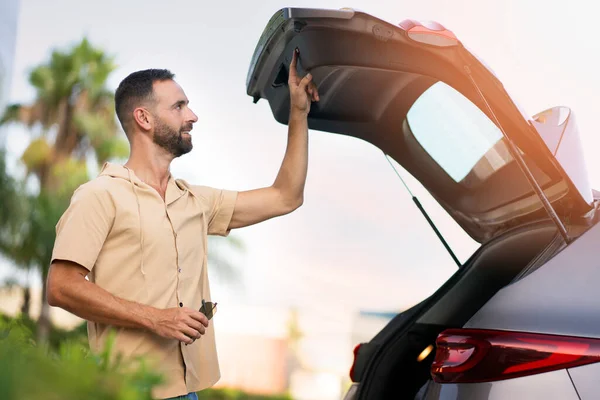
(296, 293)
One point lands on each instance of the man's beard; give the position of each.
(172, 140)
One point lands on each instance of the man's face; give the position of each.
(173, 118)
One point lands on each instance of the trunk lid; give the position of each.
(408, 89)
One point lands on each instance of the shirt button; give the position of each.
(179, 270)
(180, 304)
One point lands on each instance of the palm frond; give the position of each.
(11, 114)
(38, 153)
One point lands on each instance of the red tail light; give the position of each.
(471, 355)
(355, 352)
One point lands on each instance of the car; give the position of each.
(519, 318)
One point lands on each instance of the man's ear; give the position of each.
(143, 118)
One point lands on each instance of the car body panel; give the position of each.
(556, 298)
(586, 380)
(554, 385)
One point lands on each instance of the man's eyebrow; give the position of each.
(181, 103)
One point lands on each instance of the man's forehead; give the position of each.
(168, 91)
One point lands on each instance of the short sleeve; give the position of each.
(84, 226)
(221, 204)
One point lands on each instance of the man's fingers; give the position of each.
(196, 325)
(304, 82)
(293, 74)
(184, 338)
(198, 316)
(191, 333)
(314, 91)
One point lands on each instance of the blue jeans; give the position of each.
(189, 396)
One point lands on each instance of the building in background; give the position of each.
(9, 15)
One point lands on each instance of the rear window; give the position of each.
(462, 140)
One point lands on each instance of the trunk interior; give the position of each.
(388, 366)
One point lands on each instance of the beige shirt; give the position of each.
(143, 249)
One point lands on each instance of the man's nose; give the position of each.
(192, 116)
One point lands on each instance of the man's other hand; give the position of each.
(181, 323)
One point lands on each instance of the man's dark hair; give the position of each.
(135, 89)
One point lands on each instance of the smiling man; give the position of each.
(140, 235)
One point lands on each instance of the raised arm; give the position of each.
(287, 192)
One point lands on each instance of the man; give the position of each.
(140, 235)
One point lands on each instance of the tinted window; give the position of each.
(457, 135)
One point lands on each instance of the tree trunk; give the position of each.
(44, 324)
(66, 139)
(26, 302)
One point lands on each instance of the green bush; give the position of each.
(67, 370)
(57, 336)
(231, 394)
(28, 371)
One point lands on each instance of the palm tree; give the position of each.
(73, 112)
(12, 213)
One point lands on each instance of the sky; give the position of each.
(358, 242)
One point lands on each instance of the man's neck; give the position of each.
(152, 167)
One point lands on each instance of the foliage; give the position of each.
(72, 122)
(12, 210)
(233, 394)
(28, 371)
(57, 336)
(67, 370)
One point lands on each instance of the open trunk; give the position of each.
(416, 93)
